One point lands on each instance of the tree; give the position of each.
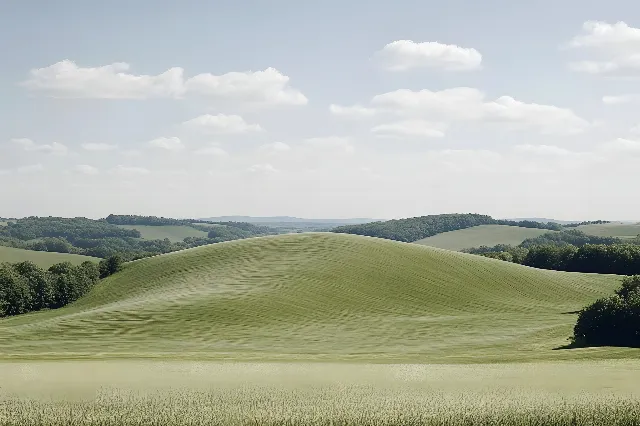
(39, 284)
(110, 266)
(15, 297)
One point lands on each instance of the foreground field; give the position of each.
(483, 235)
(41, 258)
(173, 233)
(189, 393)
(318, 297)
(620, 230)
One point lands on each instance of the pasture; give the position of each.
(173, 233)
(483, 235)
(616, 229)
(41, 258)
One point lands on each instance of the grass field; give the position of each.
(620, 230)
(318, 296)
(231, 334)
(483, 235)
(197, 393)
(173, 233)
(41, 258)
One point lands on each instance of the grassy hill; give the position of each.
(615, 229)
(41, 258)
(174, 233)
(483, 235)
(317, 296)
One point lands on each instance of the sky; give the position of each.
(329, 109)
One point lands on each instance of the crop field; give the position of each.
(620, 230)
(483, 235)
(205, 393)
(173, 233)
(41, 258)
(318, 296)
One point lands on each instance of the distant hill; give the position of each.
(544, 220)
(288, 219)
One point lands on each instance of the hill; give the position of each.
(175, 233)
(483, 235)
(317, 296)
(287, 219)
(615, 229)
(41, 258)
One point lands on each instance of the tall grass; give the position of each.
(347, 405)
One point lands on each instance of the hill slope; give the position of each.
(174, 233)
(41, 258)
(617, 229)
(483, 235)
(317, 296)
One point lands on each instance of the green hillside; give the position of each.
(173, 233)
(41, 258)
(620, 230)
(483, 235)
(317, 296)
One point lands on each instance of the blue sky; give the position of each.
(324, 109)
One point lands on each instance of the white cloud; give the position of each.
(403, 55)
(617, 46)
(31, 146)
(621, 99)
(99, 147)
(65, 79)
(620, 146)
(275, 147)
(170, 144)
(635, 129)
(418, 128)
(34, 168)
(129, 170)
(467, 104)
(221, 124)
(212, 150)
(548, 150)
(262, 87)
(86, 169)
(354, 111)
(263, 168)
(332, 143)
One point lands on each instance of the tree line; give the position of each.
(25, 287)
(102, 239)
(417, 228)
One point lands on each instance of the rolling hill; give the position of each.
(41, 258)
(615, 229)
(174, 233)
(483, 235)
(317, 296)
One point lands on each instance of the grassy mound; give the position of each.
(317, 296)
(483, 235)
(41, 258)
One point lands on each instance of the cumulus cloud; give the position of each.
(403, 55)
(463, 104)
(617, 47)
(129, 170)
(620, 146)
(99, 147)
(31, 146)
(265, 168)
(33, 168)
(354, 111)
(275, 147)
(550, 150)
(170, 144)
(417, 128)
(65, 79)
(221, 124)
(621, 99)
(86, 169)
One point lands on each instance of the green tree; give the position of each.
(39, 284)
(15, 296)
(110, 266)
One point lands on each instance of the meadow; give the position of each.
(318, 328)
(41, 258)
(615, 229)
(175, 233)
(482, 235)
